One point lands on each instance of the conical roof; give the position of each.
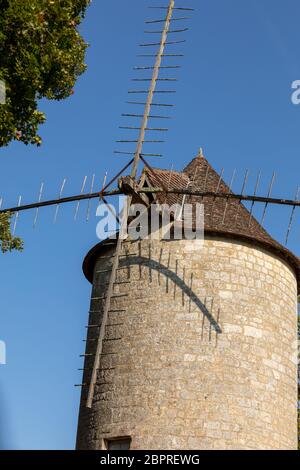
(226, 217)
(221, 214)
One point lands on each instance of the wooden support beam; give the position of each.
(127, 185)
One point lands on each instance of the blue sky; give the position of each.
(233, 99)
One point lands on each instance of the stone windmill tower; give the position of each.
(199, 347)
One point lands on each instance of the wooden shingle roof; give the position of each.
(199, 175)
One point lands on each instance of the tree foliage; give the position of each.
(7, 241)
(41, 56)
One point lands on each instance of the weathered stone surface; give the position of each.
(204, 355)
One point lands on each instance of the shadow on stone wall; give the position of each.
(169, 274)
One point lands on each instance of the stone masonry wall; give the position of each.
(199, 350)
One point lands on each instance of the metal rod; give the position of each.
(144, 154)
(189, 184)
(89, 201)
(103, 186)
(150, 44)
(157, 129)
(163, 55)
(158, 80)
(145, 141)
(172, 31)
(255, 192)
(81, 192)
(169, 180)
(269, 194)
(17, 216)
(292, 216)
(183, 18)
(161, 67)
(167, 105)
(206, 178)
(243, 189)
(39, 200)
(60, 195)
(227, 202)
(165, 8)
(148, 117)
(145, 92)
(217, 190)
